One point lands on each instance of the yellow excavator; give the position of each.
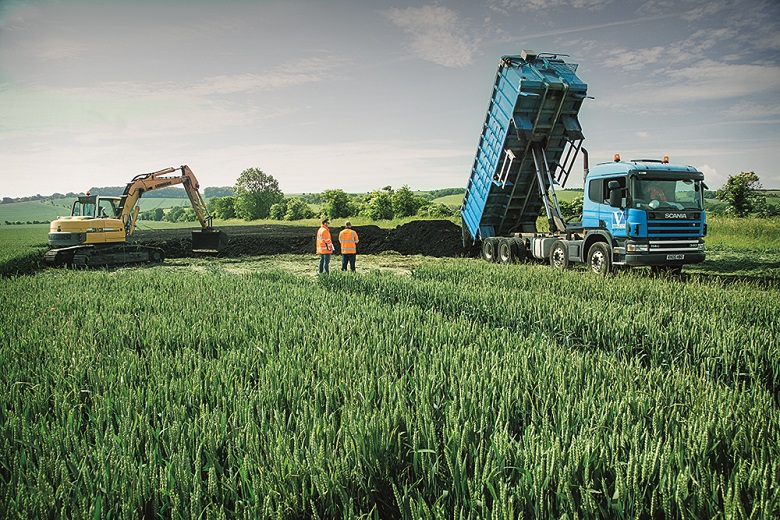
(99, 228)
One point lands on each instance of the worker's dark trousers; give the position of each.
(324, 264)
(348, 259)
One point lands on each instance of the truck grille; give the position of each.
(675, 228)
(673, 246)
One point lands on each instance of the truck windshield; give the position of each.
(667, 193)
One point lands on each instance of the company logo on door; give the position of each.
(618, 220)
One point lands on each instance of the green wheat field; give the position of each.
(414, 388)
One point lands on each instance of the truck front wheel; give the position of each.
(600, 258)
(559, 255)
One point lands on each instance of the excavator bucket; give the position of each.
(209, 240)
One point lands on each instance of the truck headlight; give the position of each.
(636, 248)
(701, 247)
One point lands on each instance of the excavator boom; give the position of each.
(208, 239)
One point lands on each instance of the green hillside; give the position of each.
(453, 201)
(50, 210)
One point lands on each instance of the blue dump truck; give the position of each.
(634, 213)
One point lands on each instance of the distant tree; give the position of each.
(571, 209)
(742, 194)
(312, 198)
(174, 214)
(221, 207)
(256, 191)
(337, 204)
(189, 215)
(278, 210)
(446, 191)
(156, 214)
(379, 204)
(218, 191)
(297, 209)
(435, 211)
(406, 203)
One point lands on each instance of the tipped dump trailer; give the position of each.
(635, 213)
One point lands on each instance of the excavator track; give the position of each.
(98, 256)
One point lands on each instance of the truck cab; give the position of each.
(650, 212)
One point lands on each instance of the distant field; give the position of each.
(46, 211)
(568, 195)
(453, 201)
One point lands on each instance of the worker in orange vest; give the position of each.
(324, 246)
(348, 239)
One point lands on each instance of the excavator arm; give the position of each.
(207, 239)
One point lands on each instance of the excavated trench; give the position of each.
(438, 238)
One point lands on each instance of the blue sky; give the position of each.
(357, 95)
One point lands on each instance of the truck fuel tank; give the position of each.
(540, 246)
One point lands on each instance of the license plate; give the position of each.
(675, 257)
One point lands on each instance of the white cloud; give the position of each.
(755, 111)
(709, 172)
(636, 59)
(505, 6)
(709, 79)
(706, 80)
(310, 70)
(54, 50)
(437, 33)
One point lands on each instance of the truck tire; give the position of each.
(559, 255)
(600, 258)
(489, 249)
(506, 253)
(518, 250)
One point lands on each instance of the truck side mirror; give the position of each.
(615, 194)
(615, 198)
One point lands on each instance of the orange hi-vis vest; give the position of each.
(324, 244)
(348, 239)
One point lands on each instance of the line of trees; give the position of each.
(257, 196)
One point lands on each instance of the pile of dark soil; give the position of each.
(439, 238)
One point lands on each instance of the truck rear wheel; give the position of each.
(518, 250)
(506, 253)
(600, 258)
(559, 255)
(489, 249)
